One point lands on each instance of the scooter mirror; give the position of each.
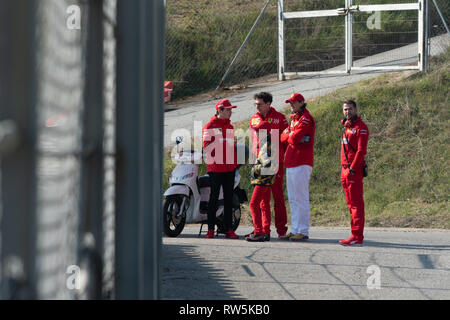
(178, 139)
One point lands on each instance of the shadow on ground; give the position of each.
(186, 276)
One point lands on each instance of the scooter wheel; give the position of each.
(173, 220)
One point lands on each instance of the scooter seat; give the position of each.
(204, 181)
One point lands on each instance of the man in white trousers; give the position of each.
(299, 161)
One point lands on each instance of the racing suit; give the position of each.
(353, 149)
(260, 202)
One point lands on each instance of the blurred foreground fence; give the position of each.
(202, 39)
(80, 196)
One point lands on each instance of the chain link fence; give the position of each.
(109, 162)
(203, 37)
(314, 44)
(439, 24)
(62, 245)
(59, 108)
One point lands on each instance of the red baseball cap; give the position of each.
(295, 97)
(224, 103)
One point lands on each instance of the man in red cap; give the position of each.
(299, 161)
(218, 142)
(353, 149)
(274, 122)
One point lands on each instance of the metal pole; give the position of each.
(139, 141)
(152, 136)
(281, 49)
(18, 166)
(427, 36)
(348, 37)
(243, 44)
(442, 17)
(91, 186)
(422, 35)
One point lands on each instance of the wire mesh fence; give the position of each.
(67, 245)
(203, 37)
(383, 31)
(201, 41)
(439, 21)
(109, 96)
(59, 108)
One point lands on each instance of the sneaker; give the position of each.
(299, 237)
(231, 235)
(286, 236)
(351, 242)
(258, 238)
(210, 233)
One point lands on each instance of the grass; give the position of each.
(408, 152)
(202, 37)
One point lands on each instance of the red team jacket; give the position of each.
(217, 129)
(357, 133)
(274, 120)
(300, 150)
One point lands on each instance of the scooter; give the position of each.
(187, 198)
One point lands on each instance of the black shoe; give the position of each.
(249, 234)
(258, 238)
(255, 238)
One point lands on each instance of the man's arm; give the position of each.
(207, 136)
(361, 148)
(302, 130)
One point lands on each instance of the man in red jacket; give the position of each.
(274, 122)
(219, 145)
(353, 149)
(299, 161)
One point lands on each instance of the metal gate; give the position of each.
(348, 13)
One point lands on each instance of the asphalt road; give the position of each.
(188, 118)
(394, 264)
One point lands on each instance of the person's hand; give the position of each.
(351, 171)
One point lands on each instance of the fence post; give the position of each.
(348, 37)
(18, 166)
(139, 141)
(281, 49)
(91, 185)
(423, 41)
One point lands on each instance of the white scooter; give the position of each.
(186, 200)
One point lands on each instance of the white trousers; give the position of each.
(297, 183)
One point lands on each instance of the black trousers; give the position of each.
(226, 181)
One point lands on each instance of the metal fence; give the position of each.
(59, 142)
(201, 42)
(439, 24)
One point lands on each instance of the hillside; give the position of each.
(408, 153)
(203, 36)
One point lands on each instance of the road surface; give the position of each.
(394, 264)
